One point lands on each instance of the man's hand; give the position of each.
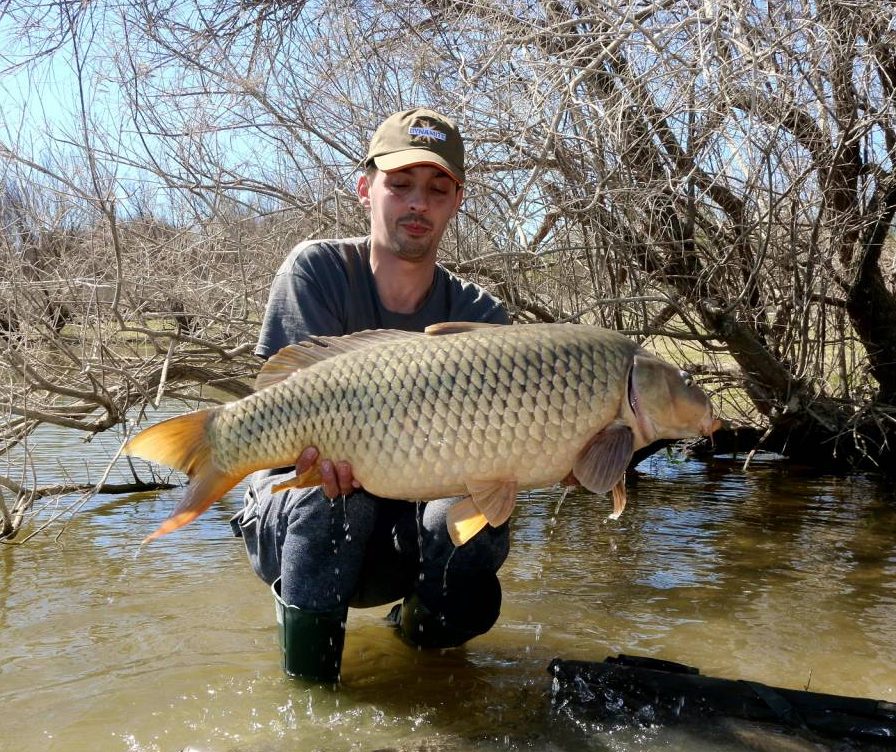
(336, 478)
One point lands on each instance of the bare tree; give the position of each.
(715, 177)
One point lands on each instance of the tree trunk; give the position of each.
(872, 307)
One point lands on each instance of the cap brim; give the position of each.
(399, 160)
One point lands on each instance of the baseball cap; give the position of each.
(416, 137)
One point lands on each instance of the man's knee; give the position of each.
(467, 604)
(486, 551)
(471, 600)
(258, 524)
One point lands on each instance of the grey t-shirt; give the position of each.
(326, 287)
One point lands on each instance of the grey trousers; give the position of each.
(364, 551)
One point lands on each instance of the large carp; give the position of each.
(475, 410)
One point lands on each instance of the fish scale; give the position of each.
(459, 410)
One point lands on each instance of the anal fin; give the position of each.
(310, 478)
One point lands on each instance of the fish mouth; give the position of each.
(710, 425)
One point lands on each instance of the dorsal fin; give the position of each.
(456, 327)
(313, 350)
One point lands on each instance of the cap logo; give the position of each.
(423, 131)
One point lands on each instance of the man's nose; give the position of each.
(417, 199)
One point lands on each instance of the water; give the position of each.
(780, 577)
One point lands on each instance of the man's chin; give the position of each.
(418, 252)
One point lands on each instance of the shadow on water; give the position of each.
(776, 576)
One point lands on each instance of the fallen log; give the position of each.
(646, 691)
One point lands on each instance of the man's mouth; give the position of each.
(416, 227)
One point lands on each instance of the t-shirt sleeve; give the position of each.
(305, 300)
(496, 314)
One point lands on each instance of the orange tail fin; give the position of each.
(182, 443)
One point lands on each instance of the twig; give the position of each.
(163, 377)
(79, 502)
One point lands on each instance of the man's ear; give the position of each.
(363, 191)
(459, 198)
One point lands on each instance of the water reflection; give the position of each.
(784, 578)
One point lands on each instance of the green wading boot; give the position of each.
(311, 642)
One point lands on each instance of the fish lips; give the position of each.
(711, 425)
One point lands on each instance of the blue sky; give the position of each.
(41, 113)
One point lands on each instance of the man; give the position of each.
(322, 553)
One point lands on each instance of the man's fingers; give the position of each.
(328, 480)
(345, 478)
(306, 460)
(336, 478)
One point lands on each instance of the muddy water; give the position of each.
(779, 577)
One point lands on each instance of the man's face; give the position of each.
(409, 209)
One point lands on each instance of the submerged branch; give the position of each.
(64, 489)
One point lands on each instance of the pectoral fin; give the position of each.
(310, 478)
(603, 461)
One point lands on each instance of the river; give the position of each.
(774, 575)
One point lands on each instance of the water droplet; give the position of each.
(418, 512)
(445, 571)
